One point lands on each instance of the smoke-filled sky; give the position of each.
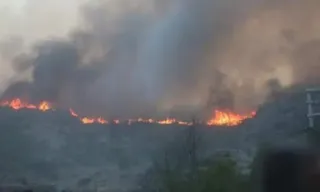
(128, 58)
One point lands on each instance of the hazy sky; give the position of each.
(28, 21)
(23, 18)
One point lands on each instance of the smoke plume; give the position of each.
(129, 58)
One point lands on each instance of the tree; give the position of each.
(181, 169)
(222, 175)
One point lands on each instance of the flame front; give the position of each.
(228, 118)
(220, 117)
(17, 104)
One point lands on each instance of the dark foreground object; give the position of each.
(291, 171)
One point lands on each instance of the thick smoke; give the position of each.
(134, 58)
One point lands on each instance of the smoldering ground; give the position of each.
(137, 58)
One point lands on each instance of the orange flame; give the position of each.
(17, 104)
(167, 121)
(228, 118)
(87, 120)
(220, 117)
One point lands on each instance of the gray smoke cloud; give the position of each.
(134, 58)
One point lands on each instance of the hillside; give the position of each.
(53, 147)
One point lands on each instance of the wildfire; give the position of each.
(228, 118)
(219, 118)
(17, 104)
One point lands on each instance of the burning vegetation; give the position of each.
(220, 117)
